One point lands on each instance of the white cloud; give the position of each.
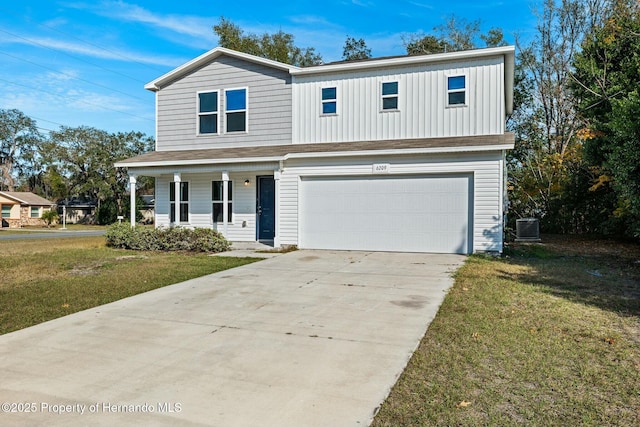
(84, 100)
(64, 75)
(197, 28)
(363, 3)
(61, 98)
(188, 25)
(55, 23)
(95, 52)
(422, 5)
(311, 20)
(77, 107)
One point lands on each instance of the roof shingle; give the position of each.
(27, 198)
(219, 155)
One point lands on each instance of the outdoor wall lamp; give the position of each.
(246, 182)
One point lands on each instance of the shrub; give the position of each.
(119, 236)
(50, 217)
(165, 239)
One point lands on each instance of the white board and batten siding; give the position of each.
(482, 171)
(268, 106)
(422, 103)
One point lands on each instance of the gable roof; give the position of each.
(26, 198)
(207, 57)
(508, 52)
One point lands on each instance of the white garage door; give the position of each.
(390, 213)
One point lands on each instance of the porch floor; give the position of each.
(259, 249)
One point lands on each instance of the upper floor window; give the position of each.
(208, 112)
(236, 110)
(390, 95)
(217, 197)
(456, 90)
(329, 100)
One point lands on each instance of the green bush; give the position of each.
(50, 217)
(123, 236)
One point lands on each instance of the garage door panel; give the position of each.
(390, 213)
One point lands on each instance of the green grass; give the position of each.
(545, 337)
(55, 227)
(5, 231)
(48, 278)
(78, 227)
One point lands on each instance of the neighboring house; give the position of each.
(20, 209)
(390, 154)
(78, 211)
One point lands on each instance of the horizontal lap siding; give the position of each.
(244, 208)
(269, 106)
(243, 227)
(422, 106)
(199, 193)
(162, 201)
(288, 208)
(486, 169)
(200, 199)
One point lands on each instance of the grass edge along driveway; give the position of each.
(49, 278)
(547, 336)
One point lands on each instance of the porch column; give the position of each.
(225, 203)
(132, 190)
(276, 209)
(177, 179)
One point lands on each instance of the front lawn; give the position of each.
(47, 278)
(546, 336)
(30, 229)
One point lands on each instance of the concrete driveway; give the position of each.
(308, 338)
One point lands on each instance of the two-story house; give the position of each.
(390, 154)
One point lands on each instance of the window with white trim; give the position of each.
(183, 200)
(35, 212)
(6, 211)
(217, 188)
(208, 112)
(236, 110)
(329, 100)
(456, 90)
(389, 95)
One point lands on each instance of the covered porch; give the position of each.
(240, 201)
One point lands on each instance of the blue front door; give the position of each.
(266, 207)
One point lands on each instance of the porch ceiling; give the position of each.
(282, 152)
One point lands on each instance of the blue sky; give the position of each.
(85, 62)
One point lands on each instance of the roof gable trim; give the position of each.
(207, 57)
(406, 60)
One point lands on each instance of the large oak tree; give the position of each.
(278, 46)
(19, 143)
(85, 157)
